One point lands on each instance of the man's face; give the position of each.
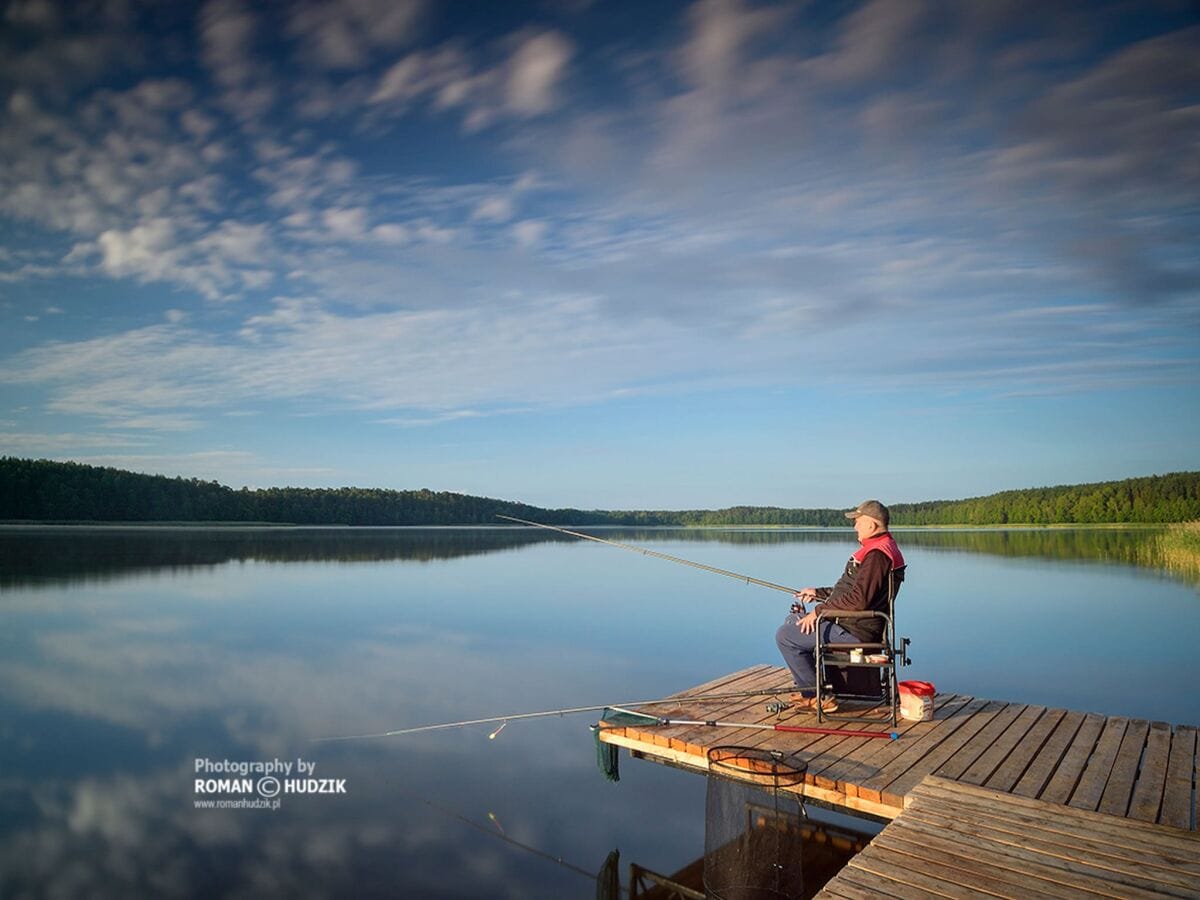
(865, 527)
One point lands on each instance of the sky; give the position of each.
(604, 255)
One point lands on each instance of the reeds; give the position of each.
(1176, 549)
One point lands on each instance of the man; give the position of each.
(872, 570)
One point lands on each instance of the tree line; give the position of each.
(47, 491)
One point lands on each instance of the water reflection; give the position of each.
(39, 555)
(128, 654)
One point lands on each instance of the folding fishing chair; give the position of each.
(873, 681)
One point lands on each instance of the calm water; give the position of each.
(128, 655)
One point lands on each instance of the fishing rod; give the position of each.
(764, 726)
(565, 711)
(655, 553)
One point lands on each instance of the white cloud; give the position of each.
(340, 34)
(391, 233)
(715, 52)
(526, 83)
(529, 233)
(66, 444)
(535, 70)
(494, 209)
(146, 250)
(874, 38)
(228, 32)
(237, 242)
(345, 224)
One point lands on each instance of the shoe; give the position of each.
(809, 704)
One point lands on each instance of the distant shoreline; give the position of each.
(44, 491)
(289, 526)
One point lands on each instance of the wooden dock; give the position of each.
(1129, 768)
(958, 840)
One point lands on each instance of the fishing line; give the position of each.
(642, 550)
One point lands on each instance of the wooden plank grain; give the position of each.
(697, 738)
(1027, 867)
(1156, 847)
(855, 754)
(1177, 791)
(1118, 792)
(1043, 766)
(1000, 837)
(1169, 840)
(880, 885)
(1025, 752)
(901, 785)
(1066, 776)
(683, 704)
(1152, 776)
(1099, 767)
(956, 765)
(987, 763)
(931, 877)
(845, 889)
(916, 751)
(974, 868)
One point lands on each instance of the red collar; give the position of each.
(884, 543)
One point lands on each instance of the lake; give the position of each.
(132, 656)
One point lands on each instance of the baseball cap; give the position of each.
(872, 508)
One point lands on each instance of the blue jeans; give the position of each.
(799, 649)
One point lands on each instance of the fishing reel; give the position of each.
(777, 706)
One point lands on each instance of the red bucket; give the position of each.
(916, 700)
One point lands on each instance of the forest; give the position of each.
(67, 492)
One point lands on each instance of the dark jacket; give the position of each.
(863, 585)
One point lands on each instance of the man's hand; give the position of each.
(808, 624)
(806, 595)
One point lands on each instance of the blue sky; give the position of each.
(611, 255)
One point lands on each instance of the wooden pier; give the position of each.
(958, 840)
(1129, 768)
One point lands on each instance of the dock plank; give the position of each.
(1173, 843)
(1152, 775)
(1005, 777)
(1043, 766)
(682, 736)
(863, 756)
(918, 751)
(1048, 835)
(960, 840)
(940, 871)
(1118, 792)
(1177, 792)
(990, 760)
(1027, 869)
(881, 885)
(1099, 767)
(957, 764)
(731, 682)
(1064, 779)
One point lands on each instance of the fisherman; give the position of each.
(873, 570)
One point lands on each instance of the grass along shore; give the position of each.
(1176, 548)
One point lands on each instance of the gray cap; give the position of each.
(872, 508)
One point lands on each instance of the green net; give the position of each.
(606, 754)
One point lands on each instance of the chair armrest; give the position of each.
(849, 613)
